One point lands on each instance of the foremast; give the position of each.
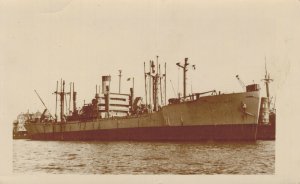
(267, 80)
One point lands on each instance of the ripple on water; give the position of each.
(143, 157)
(52, 168)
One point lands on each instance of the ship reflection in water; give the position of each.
(61, 157)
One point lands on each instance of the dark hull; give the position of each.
(20, 135)
(175, 133)
(267, 132)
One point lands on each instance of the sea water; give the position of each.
(94, 157)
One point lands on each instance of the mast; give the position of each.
(56, 100)
(165, 83)
(161, 98)
(132, 95)
(70, 97)
(97, 97)
(154, 88)
(156, 84)
(120, 75)
(74, 100)
(267, 80)
(62, 100)
(184, 67)
(145, 84)
(66, 102)
(150, 77)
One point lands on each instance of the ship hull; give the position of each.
(20, 135)
(268, 131)
(177, 133)
(219, 117)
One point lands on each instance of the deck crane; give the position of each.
(241, 82)
(46, 109)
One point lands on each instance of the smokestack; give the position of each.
(105, 82)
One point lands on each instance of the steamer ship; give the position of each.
(199, 116)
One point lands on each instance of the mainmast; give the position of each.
(155, 85)
(154, 88)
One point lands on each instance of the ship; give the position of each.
(19, 130)
(116, 116)
(267, 122)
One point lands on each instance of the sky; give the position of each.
(79, 41)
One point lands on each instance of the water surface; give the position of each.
(66, 157)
